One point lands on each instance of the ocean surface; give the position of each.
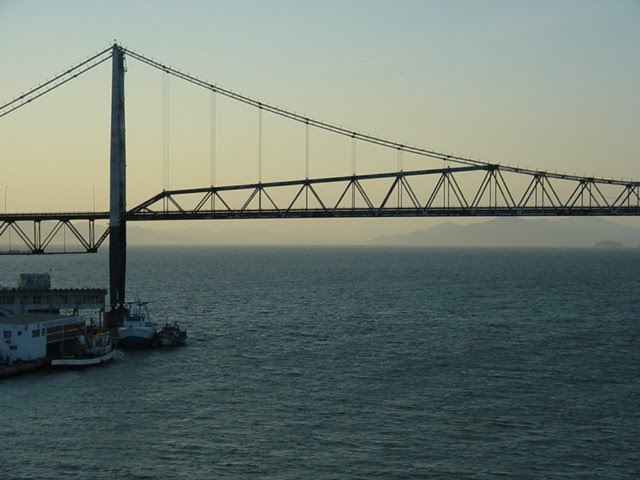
(335, 363)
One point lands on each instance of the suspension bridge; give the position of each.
(457, 187)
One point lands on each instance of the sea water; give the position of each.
(347, 363)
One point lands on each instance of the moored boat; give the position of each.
(171, 336)
(94, 348)
(137, 330)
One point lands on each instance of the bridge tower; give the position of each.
(117, 200)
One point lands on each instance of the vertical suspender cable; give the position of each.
(260, 157)
(306, 162)
(306, 150)
(213, 147)
(401, 180)
(213, 138)
(353, 154)
(260, 145)
(353, 170)
(165, 132)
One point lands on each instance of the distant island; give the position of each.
(608, 244)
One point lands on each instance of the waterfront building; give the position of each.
(34, 336)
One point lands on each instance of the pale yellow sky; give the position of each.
(542, 85)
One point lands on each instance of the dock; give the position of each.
(21, 368)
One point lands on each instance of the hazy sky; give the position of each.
(550, 85)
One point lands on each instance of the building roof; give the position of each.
(52, 290)
(29, 318)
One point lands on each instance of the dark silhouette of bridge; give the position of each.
(463, 187)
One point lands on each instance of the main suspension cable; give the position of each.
(401, 147)
(105, 54)
(55, 82)
(300, 118)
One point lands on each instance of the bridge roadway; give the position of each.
(303, 199)
(345, 212)
(40, 242)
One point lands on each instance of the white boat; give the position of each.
(137, 331)
(95, 348)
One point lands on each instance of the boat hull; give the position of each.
(170, 341)
(83, 362)
(136, 337)
(171, 336)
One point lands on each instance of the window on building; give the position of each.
(19, 332)
(13, 347)
(37, 299)
(42, 332)
(35, 333)
(7, 334)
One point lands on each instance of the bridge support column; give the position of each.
(117, 200)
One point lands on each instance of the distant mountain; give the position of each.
(608, 244)
(513, 231)
(518, 232)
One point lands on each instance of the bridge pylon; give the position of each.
(117, 199)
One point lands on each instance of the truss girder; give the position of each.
(493, 184)
(453, 191)
(539, 190)
(51, 239)
(435, 192)
(630, 195)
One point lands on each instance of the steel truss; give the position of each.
(32, 238)
(469, 191)
(478, 190)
